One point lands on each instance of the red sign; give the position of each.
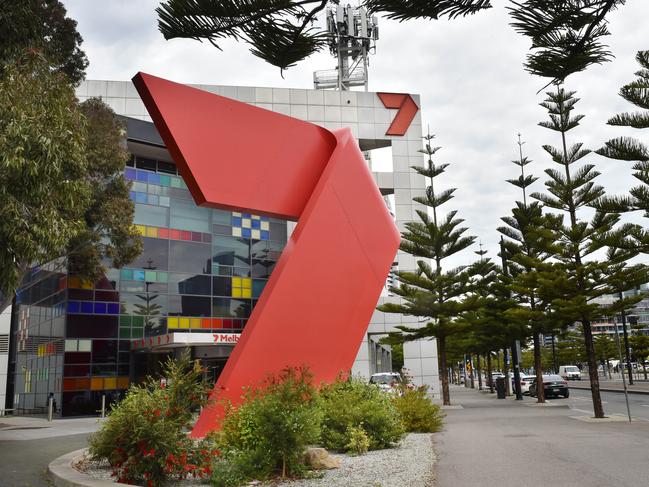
(406, 113)
(226, 337)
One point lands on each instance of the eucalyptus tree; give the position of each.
(432, 292)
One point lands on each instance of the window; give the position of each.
(190, 257)
(156, 216)
(190, 284)
(189, 306)
(231, 251)
(155, 254)
(185, 215)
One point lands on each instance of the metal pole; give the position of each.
(50, 408)
(626, 346)
(517, 370)
(554, 357)
(619, 352)
(103, 405)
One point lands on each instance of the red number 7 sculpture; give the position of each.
(316, 307)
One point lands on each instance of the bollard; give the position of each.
(103, 405)
(50, 408)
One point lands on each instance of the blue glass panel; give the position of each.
(112, 308)
(153, 178)
(86, 306)
(126, 274)
(141, 176)
(129, 173)
(138, 275)
(246, 215)
(73, 306)
(257, 287)
(256, 224)
(265, 234)
(140, 197)
(131, 194)
(100, 308)
(264, 218)
(236, 221)
(245, 232)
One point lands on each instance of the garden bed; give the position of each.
(411, 464)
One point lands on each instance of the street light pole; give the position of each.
(626, 345)
(619, 352)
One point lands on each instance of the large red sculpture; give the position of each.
(318, 302)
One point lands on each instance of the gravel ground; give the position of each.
(409, 465)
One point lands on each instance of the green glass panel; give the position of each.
(164, 180)
(127, 274)
(137, 333)
(162, 277)
(138, 321)
(150, 276)
(175, 182)
(182, 184)
(124, 320)
(125, 333)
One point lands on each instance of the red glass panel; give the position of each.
(174, 234)
(197, 237)
(163, 233)
(185, 235)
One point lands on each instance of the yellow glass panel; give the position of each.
(74, 282)
(255, 217)
(184, 322)
(86, 284)
(256, 234)
(265, 225)
(195, 322)
(141, 229)
(246, 293)
(172, 322)
(236, 292)
(236, 282)
(246, 282)
(152, 232)
(110, 383)
(96, 383)
(246, 223)
(236, 231)
(236, 213)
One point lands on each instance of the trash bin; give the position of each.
(500, 387)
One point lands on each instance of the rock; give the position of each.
(319, 459)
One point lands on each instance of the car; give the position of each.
(526, 382)
(570, 372)
(387, 381)
(553, 385)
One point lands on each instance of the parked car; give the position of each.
(553, 385)
(387, 381)
(570, 372)
(526, 382)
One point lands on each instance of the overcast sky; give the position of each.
(469, 72)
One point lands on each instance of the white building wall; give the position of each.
(5, 325)
(368, 119)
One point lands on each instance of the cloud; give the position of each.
(475, 93)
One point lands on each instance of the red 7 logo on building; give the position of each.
(318, 302)
(406, 113)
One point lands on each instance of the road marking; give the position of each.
(583, 411)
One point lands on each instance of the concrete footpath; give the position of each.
(507, 443)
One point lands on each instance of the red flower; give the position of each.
(156, 412)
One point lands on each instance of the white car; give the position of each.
(387, 381)
(526, 381)
(570, 372)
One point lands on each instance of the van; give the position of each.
(570, 372)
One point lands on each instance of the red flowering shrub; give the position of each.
(144, 438)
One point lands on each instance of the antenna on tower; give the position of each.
(352, 36)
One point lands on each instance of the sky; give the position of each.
(475, 94)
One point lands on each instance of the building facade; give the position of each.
(201, 271)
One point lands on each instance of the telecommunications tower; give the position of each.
(352, 36)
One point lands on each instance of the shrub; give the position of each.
(353, 403)
(418, 413)
(270, 431)
(359, 442)
(144, 438)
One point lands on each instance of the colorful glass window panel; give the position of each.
(130, 174)
(112, 308)
(163, 233)
(100, 308)
(138, 275)
(86, 306)
(164, 180)
(241, 287)
(172, 322)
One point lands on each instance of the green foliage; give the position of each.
(566, 36)
(42, 25)
(144, 438)
(238, 467)
(430, 292)
(272, 427)
(353, 403)
(43, 189)
(359, 442)
(418, 413)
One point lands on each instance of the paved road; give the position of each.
(613, 402)
(495, 443)
(24, 462)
